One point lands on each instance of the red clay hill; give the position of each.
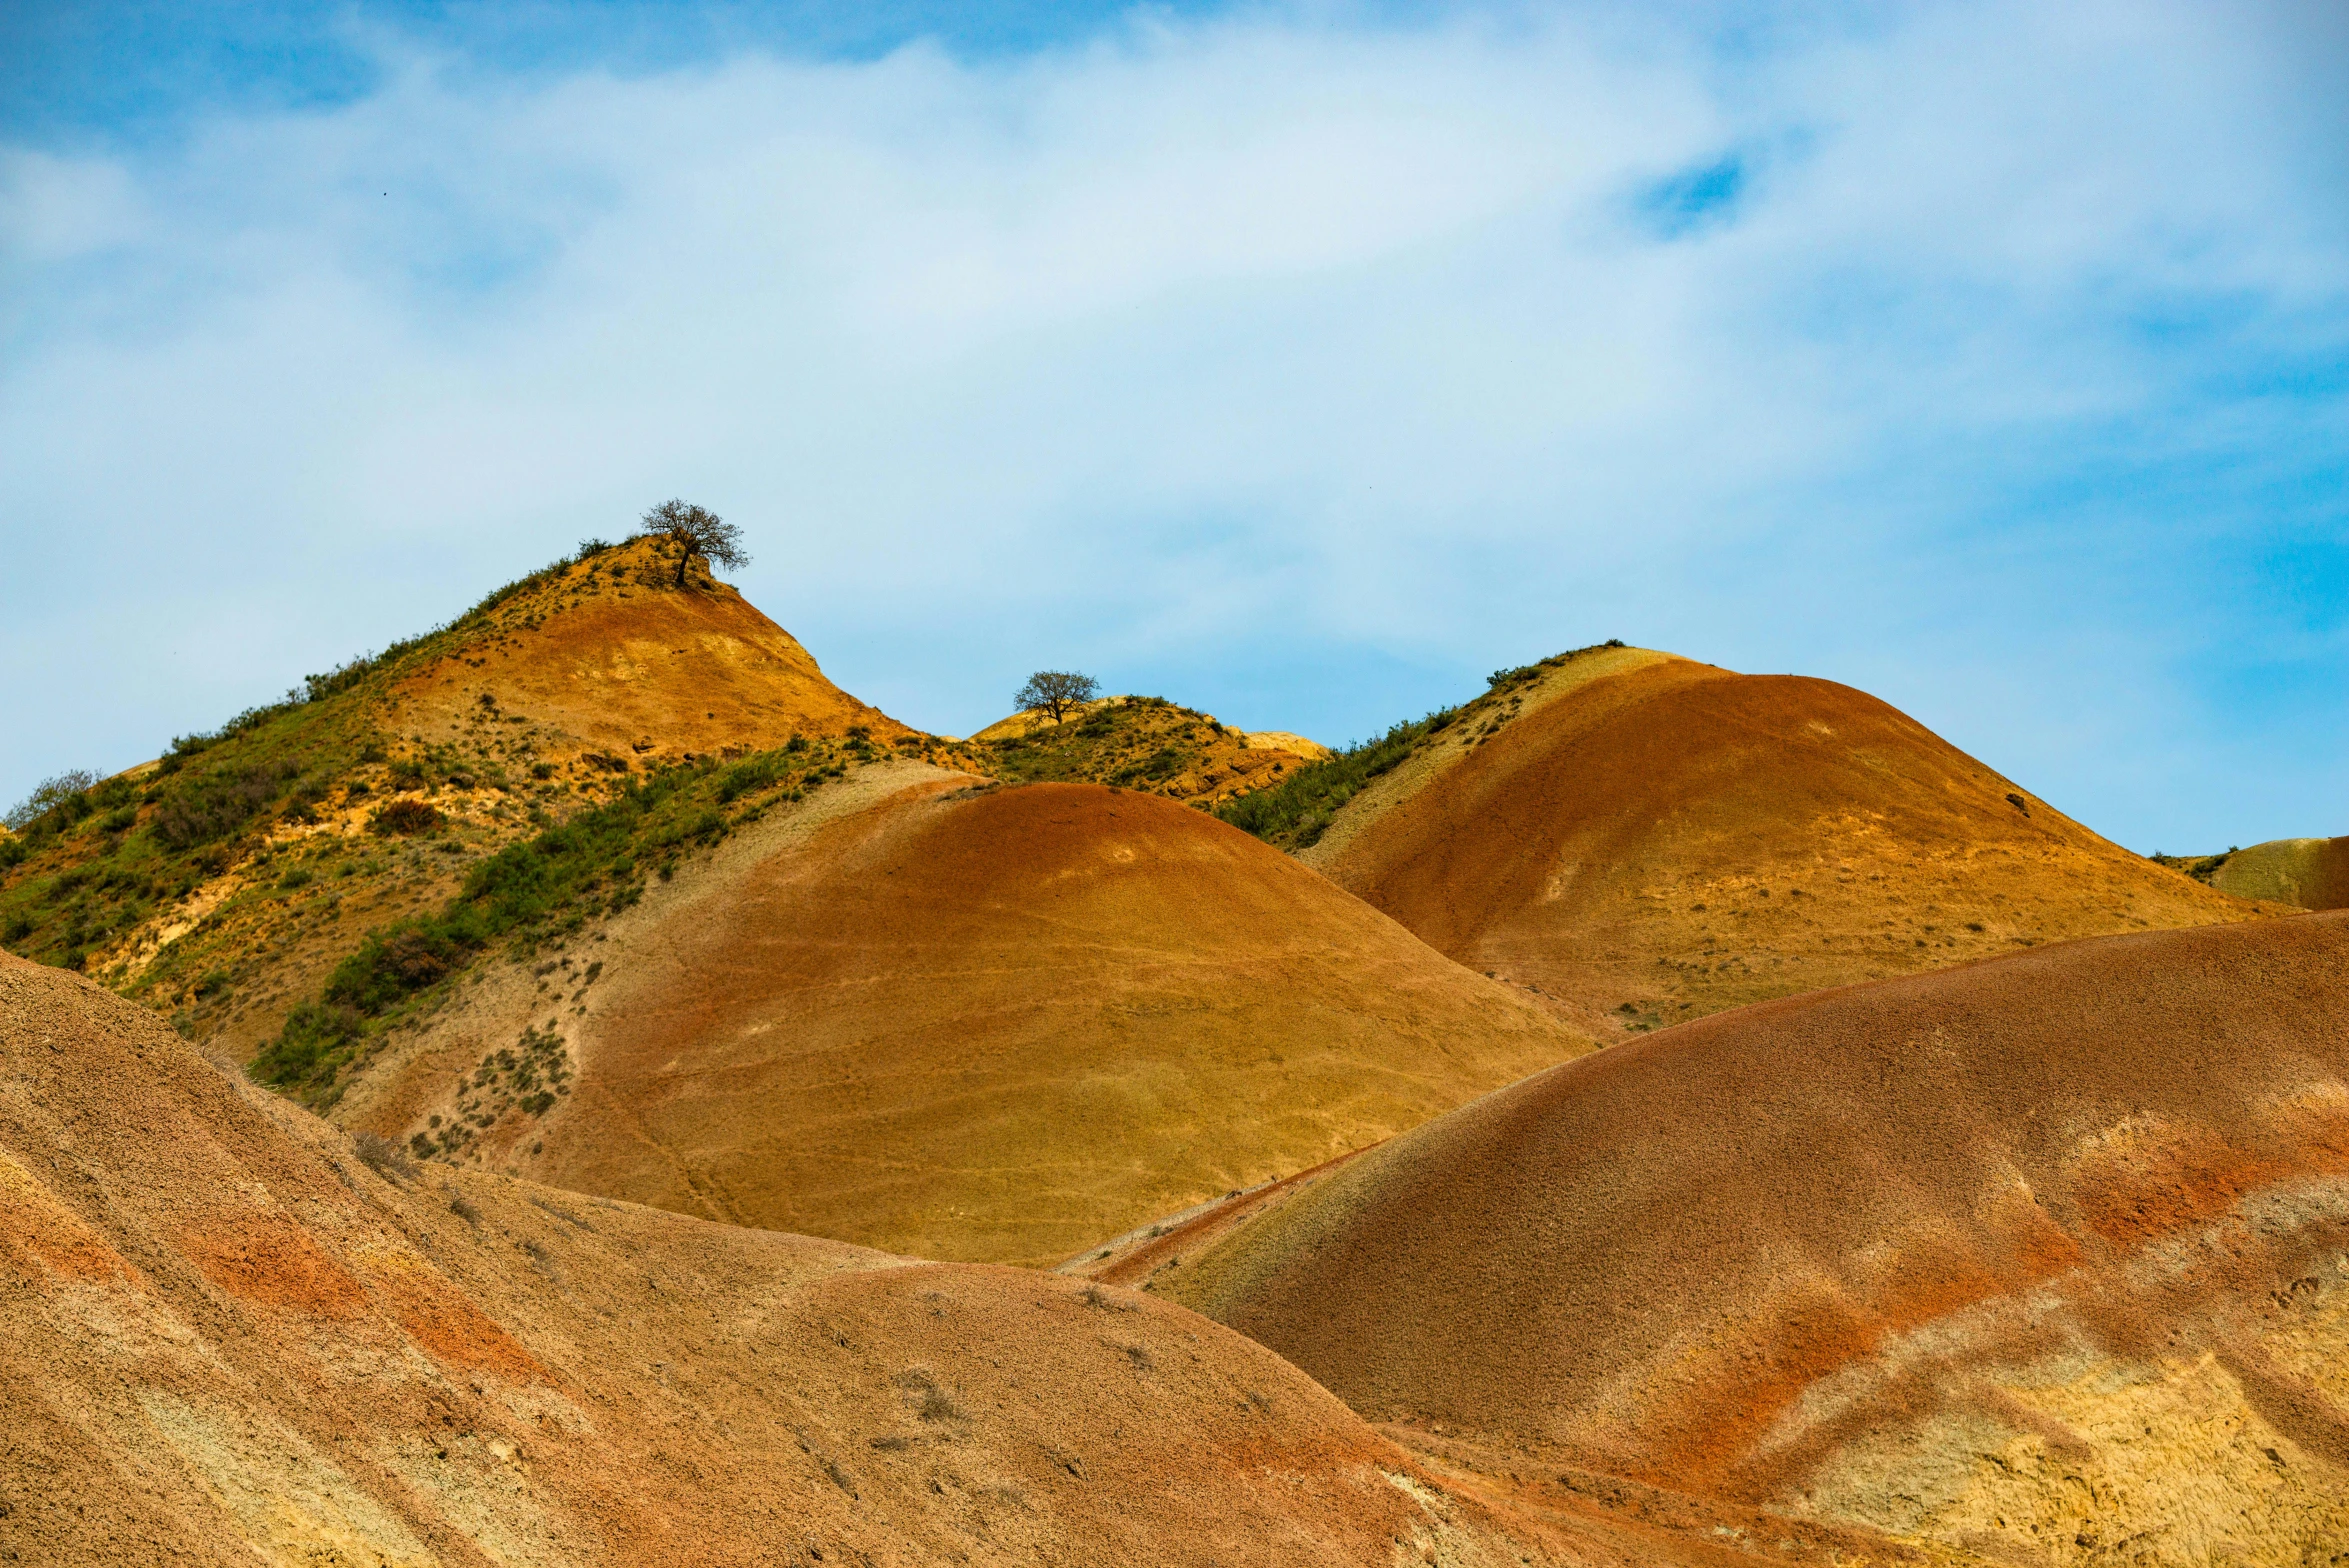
(1644, 838)
(226, 1336)
(2044, 1258)
(927, 1013)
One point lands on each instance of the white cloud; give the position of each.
(1200, 350)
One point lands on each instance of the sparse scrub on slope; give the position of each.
(1294, 813)
(89, 863)
(544, 887)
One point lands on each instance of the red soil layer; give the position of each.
(1644, 1260)
(225, 1339)
(997, 1024)
(1678, 839)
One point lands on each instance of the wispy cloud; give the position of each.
(1299, 366)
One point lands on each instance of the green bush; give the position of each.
(207, 807)
(57, 802)
(316, 1040)
(406, 817)
(758, 773)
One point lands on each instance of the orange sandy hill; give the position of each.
(1644, 838)
(225, 1339)
(1140, 743)
(942, 1017)
(2044, 1258)
(610, 654)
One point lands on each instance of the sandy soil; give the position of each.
(2045, 1258)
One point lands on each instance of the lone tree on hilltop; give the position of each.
(1056, 691)
(696, 532)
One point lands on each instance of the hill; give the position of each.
(2045, 1258)
(223, 882)
(232, 1337)
(1139, 743)
(2308, 873)
(924, 1012)
(1641, 839)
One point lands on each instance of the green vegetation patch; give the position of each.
(539, 889)
(1296, 812)
(88, 861)
(1136, 744)
(2200, 867)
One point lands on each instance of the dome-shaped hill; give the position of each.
(2309, 873)
(227, 1336)
(2044, 1257)
(1646, 838)
(966, 1022)
(610, 652)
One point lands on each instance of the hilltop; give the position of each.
(222, 883)
(2306, 873)
(925, 1012)
(1139, 743)
(2043, 1258)
(233, 1336)
(1639, 838)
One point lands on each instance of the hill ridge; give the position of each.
(2037, 1255)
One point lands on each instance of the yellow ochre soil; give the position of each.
(1640, 839)
(929, 1014)
(2044, 1258)
(2310, 873)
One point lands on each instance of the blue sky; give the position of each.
(1303, 363)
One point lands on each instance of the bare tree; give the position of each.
(1056, 691)
(696, 532)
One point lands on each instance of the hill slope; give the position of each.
(1644, 838)
(227, 1340)
(2045, 1257)
(222, 883)
(2309, 873)
(959, 1020)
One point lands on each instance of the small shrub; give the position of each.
(755, 774)
(300, 876)
(407, 817)
(63, 800)
(210, 806)
(384, 1157)
(310, 1049)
